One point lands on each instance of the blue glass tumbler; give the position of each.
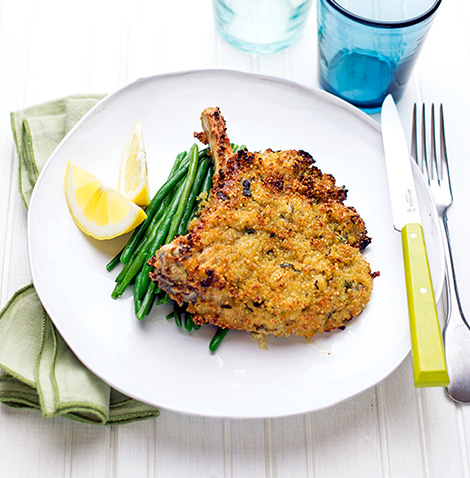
(368, 49)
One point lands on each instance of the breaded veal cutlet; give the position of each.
(274, 250)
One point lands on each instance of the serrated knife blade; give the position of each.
(427, 349)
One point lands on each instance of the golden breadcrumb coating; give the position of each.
(273, 251)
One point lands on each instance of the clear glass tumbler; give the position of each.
(368, 49)
(261, 26)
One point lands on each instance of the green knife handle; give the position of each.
(427, 349)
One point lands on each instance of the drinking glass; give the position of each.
(367, 49)
(261, 26)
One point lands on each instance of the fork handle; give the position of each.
(456, 332)
(427, 349)
(453, 293)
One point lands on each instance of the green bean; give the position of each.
(136, 264)
(139, 231)
(188, 321)
(159, 239)
(147, 301)
(207, 184)
(162, 208)
(126, 267)
(174, 215)
(178, 173)
(142, 278)
(137, 304)
(139, 286)
(131, 271)
(177, 312)
(155, 223)
(195, 190)
(177, 162)
(159, 212)
(161, 295)
(114, 261)
(151, 244)
(167, 199)
(203, 153)
(217, 339)
(236, 147)
(194, 159)
(205, 187)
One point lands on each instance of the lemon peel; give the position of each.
(133, 173)
(98, 210)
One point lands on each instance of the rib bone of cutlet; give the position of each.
(213, 124)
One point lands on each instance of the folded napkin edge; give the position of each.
(125, 411)
(19, 400)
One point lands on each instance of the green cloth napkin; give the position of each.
(39, 129)
(37, 368)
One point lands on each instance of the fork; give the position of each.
(435, 168)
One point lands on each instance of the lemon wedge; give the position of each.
(133, 175)
(99, 211)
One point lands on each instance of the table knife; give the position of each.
(427, 350)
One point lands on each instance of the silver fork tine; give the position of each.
(444, 172)
(414, 136)
(424, 149)
(420, 159)
(434, 165)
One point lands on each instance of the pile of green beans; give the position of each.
(168, 214)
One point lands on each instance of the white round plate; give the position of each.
(154, 361)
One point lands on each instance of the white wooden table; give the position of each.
(52, 48)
